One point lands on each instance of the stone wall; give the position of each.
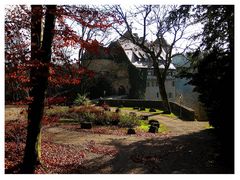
(189, 98)
(182, 112)
(117, 73)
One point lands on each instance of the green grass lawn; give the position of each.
(147, 111)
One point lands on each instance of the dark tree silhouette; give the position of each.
(212, 71)
(38, 79)
(157, 21)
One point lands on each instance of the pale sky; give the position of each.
(151, 37)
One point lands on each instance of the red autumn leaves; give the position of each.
(63, 70)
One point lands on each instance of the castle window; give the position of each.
(173, 83)
(170, 95)
(150, 72)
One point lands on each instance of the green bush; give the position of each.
(71, 115)
(107, 118)
(82, 100)
(87, 116)
(128, 121)
(98, 116)
(101, 118)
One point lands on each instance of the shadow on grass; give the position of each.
(196, 153)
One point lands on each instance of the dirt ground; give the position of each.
(187, 148)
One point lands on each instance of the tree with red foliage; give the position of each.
(40, 52)
(36, 60)
(17, 52)
(63, 70)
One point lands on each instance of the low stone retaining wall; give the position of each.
(182, 112)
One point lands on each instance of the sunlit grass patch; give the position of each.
(208, 126)
(170, 115)
(57, 110)
(126, 108)
(147, 110)
(144, 126)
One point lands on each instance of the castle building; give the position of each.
(129, 70)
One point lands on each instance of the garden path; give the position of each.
(175, 125)
(189, 147)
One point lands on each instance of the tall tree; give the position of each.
(29, 46)
(40, 52)
(212, 72)
(63, 69)
(159, 23)
(214, 69)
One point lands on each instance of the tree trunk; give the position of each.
(40, 53)
(163, 93)
(161, 82)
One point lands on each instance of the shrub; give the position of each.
(70, 115)
(85, 108)
(82, 100)
(98, 116)
(112, 118)
(107, 118)
(56, 100)
(87, 116)
(57, 111)
(128, 121)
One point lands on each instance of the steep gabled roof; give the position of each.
(100, 53)
(137, 56)
(124, 49)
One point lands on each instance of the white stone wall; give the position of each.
(152, 89)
